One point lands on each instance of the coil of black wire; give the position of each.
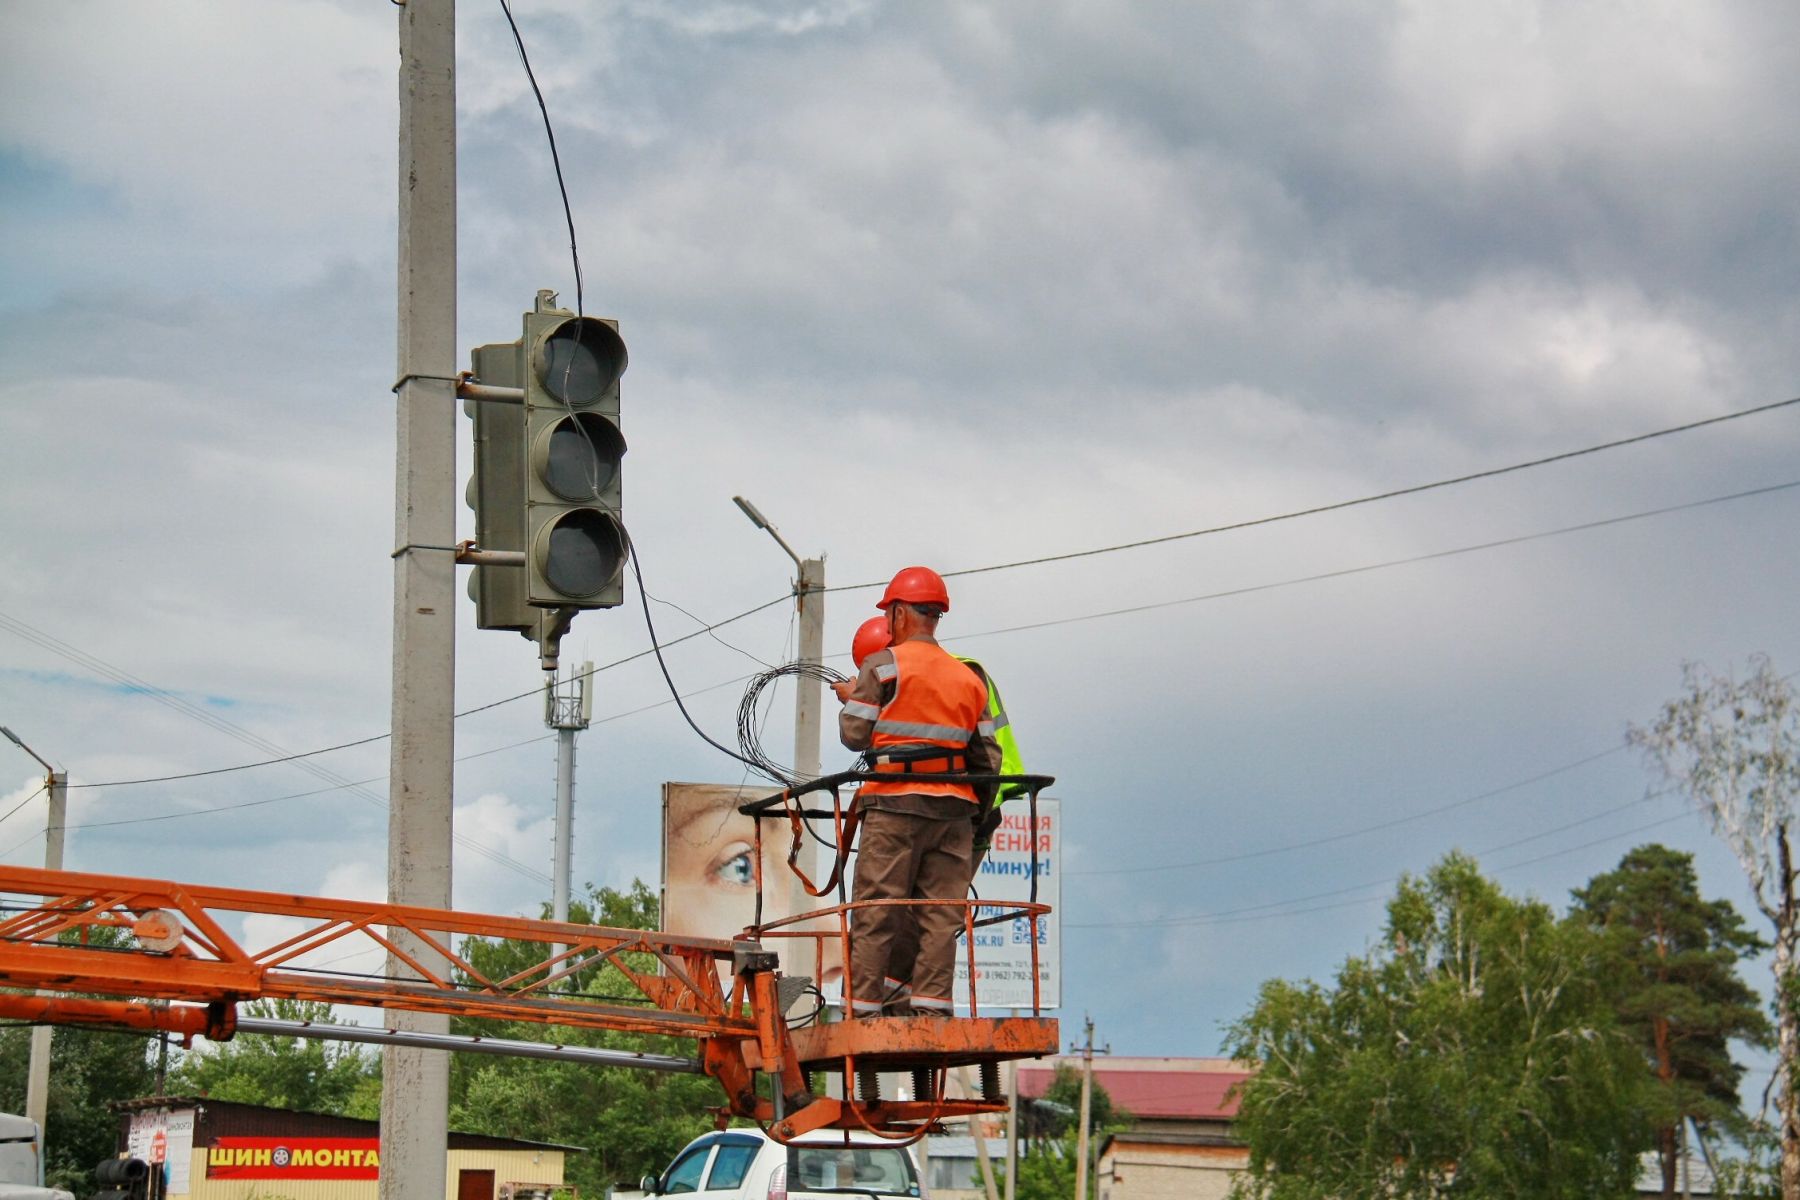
(750, 715)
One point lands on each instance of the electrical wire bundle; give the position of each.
(749, 713)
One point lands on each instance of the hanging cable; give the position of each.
(650, 627)
(555, 158)
(750, 736)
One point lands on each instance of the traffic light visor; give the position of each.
(578, 457)
(581, 552)
(580, 361)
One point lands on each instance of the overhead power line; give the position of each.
(1361, 831)
(1251, 589)
(1224, 915)
(1343, 504)
(43, 639)
(631, 658)
(138, 686)
(237, 732)
(200, 812)
(30, 837)
(221, 808)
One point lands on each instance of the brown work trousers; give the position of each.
(906, 948)
(905, 857)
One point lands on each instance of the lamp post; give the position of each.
(56, 783)
(809, 602)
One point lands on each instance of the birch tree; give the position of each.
(1731, 745)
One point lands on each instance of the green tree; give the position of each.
(1474, 1054)
(630, 1122)
(1734, 747)
(1671, 959)
(284, 1072)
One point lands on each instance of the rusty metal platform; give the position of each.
(903, 1043)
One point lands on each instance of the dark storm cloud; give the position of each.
(1363, 211)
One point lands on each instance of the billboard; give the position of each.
(1003, 949)
(709, 872)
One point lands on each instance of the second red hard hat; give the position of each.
(871, 635)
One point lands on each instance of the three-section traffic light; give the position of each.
(575, 540)
(546, 484)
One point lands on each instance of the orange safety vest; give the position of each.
(938, 702)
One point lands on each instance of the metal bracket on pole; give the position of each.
(468, 552)
(470, 388)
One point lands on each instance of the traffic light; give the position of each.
(574, 539)
(497, 490)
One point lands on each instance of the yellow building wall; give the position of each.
(508, 1166)
(274, 1189)
(1165, 1172)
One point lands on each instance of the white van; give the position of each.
(747, 1164)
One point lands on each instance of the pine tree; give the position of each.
(1671, 960)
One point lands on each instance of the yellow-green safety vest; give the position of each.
(1010, 762)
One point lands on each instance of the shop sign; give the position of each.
(293, 1158)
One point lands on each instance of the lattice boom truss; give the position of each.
(193, 974)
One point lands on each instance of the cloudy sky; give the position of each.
(960, 284)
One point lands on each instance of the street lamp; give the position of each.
(802, 952)
(811, 582)
(37, 1075)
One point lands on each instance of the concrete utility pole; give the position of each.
(809, 601)
(415, 1091)
(1087, 1102)
(567, 709)
(37, 1071)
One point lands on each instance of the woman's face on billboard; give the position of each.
(709, 883)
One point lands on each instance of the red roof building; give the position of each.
(1178, 1112)
(1152, 1089)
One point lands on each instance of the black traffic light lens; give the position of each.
(583, 553)
(580, 456)
(581, 361)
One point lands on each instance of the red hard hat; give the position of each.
(916, 585)
(871, 635)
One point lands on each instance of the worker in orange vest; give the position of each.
(916, 835)
(870, 636)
